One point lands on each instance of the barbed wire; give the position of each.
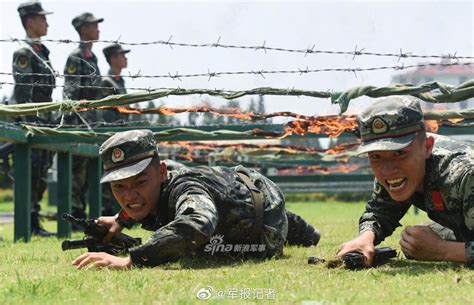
(262, 73)
(310, 50)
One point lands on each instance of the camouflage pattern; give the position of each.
(200, 202)
(127, 154)
(112, 85)
(448, 197)
(82, 61)
(390, 123)
(33, 57)
(31, 8)
(84, 18)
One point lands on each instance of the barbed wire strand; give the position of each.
(264, 47)
(210, 75)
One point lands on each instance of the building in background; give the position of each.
(451, 75)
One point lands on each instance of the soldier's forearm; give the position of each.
(458, 252)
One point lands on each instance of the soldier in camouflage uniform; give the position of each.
(33, 57)
(115, 56)
(112, 84)
(191, 209)
(82, 62)
(412, 167)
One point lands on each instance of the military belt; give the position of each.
(257, 199)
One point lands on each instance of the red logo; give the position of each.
(437, 200)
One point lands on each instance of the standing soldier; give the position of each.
(33, 58)
(115, 84)
(82, 62)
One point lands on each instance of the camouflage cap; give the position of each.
(31, 8)
(113, 49)
(84, 18)
(127, 153)
(390, 123)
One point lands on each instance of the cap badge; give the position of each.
(379, 126)
(117, 155)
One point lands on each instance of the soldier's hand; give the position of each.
(112, 225)
(364, 244)
(102, 260)
(421, 243)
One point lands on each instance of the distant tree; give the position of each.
(261, 104)
(236, 105)
(193, 118)
(252, 107)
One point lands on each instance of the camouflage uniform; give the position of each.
(115, 85)
(81, 61)
(201, 202)
(111, 85)
(448, 197)
(33, 57)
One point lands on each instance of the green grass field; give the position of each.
(40, 273)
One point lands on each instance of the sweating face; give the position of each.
(139, 195)
(402, 172)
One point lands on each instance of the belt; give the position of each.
(257, 199)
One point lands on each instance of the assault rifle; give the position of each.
(94, 238)
(355, 260)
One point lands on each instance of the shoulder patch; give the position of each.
(23, 62)
(72, 68)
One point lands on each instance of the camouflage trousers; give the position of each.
(41, 161)
(79, 186)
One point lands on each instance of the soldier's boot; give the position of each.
(36, 228)
(300, 232)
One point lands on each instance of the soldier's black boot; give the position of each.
(36, 228)
(301, 233)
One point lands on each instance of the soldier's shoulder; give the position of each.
(22, 51)
(23, 59)
(77, 52)
(107, 81)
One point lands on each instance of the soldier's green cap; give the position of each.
(84, 18)
(390, 123)
(113, 49)
(127, 153)
(31, 8)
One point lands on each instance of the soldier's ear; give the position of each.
(429, 143)
(163, 172)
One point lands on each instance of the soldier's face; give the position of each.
(90, 31)
(119, 60)
(38, 25)
(402, 172)
(139, 195)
